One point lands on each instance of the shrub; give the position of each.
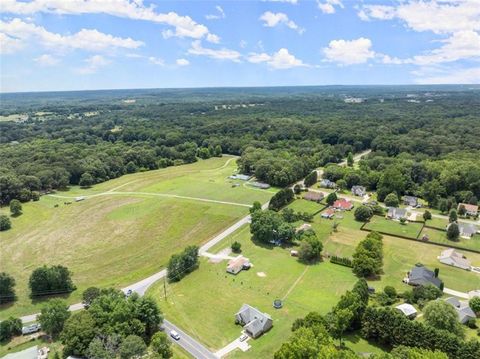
(390, 291)
(343, 261)
(7, 288)
(51, 280)
(236, 247)
(5, 223)
(10, 328)
(391, 200)
(363, 213)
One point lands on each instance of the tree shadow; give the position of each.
(39, 299)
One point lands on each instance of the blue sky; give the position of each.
(99, 44)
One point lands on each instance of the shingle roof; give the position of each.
(255, 321)
(467, 229)
(397, 212)
(420, 275)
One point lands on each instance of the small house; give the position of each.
(329, 213)
(410, 201)
(240, 177)
(343, 204)
(359, 191)
(326, 183)
(471, 209)
(408, 310)
(420, 275)
(313, 196)
(465, 313)
(238, 264)
(455, 259)
(253, 321)
(396, 213)
(260, 185)
(467, 230)
(79, 199)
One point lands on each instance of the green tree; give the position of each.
(280, 199)
(350, 159)
(368, 256)
(89, 295)
(342, 184)
(51, 280)
(218, 151)
(15, 207)
(5, 223)
(404, 352)
(310, 248)
(86, 180)
(427, 215)
(474, 303)
(390, 291)
(462, 211)
(132, 347)
(161, 345)
(452, 216)
(338, 322)
(53, 317)
(441, 315)
(311, 179)
(9, 328)
(443, 205)
(453, 233)
(331, 198)
(297, 189)
(236, 247)
(363, 213)
(7, 288)
(391, 200)
(257, 206)
(78, 331)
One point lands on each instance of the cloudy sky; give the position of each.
(100, 44)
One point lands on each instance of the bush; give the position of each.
(5, 223)
(236, 247)
(181, 264)
(391, 200)
(343, 261)
(453, 233)
(51, 280)
(390, 291)
(15, 207)
(474, 303)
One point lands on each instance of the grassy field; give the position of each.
(302, 205)
(381, 224)
(114, 239)
(440, 236)
(204, 303)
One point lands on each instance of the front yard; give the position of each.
(381, 224)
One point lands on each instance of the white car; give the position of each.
(32, 328)
(243, 337)
(174, 335)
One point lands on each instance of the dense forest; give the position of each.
(424, 140)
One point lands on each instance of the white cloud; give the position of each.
(461, 45)
(19, 33)
(220, 54)
(183, 26)
(328, 6)
(10, 45)
(220, 14)
(448, 76)
(280, 60)
(243, 44)
(438, 16)
(349, 52)
(182, 62)
(93, 64)
(156, 61)
(47, 60)
(271, 19)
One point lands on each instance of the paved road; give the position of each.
(188, 343)
(456, 293)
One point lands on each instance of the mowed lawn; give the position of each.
(115, 240)
(381, 224)
(440, 236)
(205, 302)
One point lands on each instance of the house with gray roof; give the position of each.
(465, 313)
(410, 201)
(420, 275)
(396, 213)
(408, 310)
(253, 321)
(455, 259)
(326, 183)
(359, 191)
(467, 230)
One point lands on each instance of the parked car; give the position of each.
(243, 337)
(174, 335)
(32, 328)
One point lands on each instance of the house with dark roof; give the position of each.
(313, 196)
(359, 191)
(472, 210)
(342, 204)
(467, 230)
(455, 259)
(253, 321)
(410, 201)
(420, 275)
(465, 313)
(396, 213)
